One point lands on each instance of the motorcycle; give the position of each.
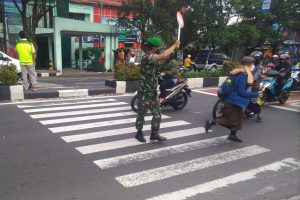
(268, 87)
(219, 105)
(177, 97)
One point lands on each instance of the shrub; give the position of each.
(204, 73)
(127, 72)
(8, 75)
(230, 65)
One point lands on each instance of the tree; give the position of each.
(151, 16)
(39, 10)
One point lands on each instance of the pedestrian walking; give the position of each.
(147, 91)
(27, 57)
(236, 102)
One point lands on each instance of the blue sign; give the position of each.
(266, 6)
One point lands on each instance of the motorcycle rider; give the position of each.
(257, 71)
(147, 93)
(168, 77)
(285, 69)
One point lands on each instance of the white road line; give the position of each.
(101, 134)
(133, 142)
(157, 153)
(289, 164)
(79, 112)
(84, 118)
(26, 101)
(202, 92)
(74, 107)
(66, 103)
(97, 124)
(160, 173)
(285, 108)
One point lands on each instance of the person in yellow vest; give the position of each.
(188, 62)
(27, 56)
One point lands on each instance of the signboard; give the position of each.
(180, 20)
(266, 6)
(180, 23)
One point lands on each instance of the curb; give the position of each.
(48, 74)
(122, 87)
(68, 93)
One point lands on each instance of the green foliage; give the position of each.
(204, 73)
(127, 72)
(8, 75)
(230, 65)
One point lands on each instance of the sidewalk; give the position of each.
(71, 82)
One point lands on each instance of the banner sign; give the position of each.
(266, 6)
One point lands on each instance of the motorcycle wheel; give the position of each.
(134, 103)
(182, 98)
(217, 110)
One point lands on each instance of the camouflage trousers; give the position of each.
(145, 102)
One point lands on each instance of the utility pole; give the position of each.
(3, 44)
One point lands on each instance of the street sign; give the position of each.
(266, 6)
(180, 20)
(180, 23)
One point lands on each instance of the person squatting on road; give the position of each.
(236, 102)
(27, 56)
(147, 91)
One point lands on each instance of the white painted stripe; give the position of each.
(74, 107)
(289, 164)
(122, 131)
(84, 118)
(157, 153)
(133, 142)
(26, 101)
(202, 92)
(66, 103)
(160, 173)
(79, 112)
(297, 197)
(285, 108)
(97, 124)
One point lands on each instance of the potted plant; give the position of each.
(9, 89)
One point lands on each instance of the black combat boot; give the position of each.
(155, 136)
(140, 136)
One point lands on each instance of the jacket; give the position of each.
(240, 96)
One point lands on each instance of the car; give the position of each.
(210, 61)
(7, 60)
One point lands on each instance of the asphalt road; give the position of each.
(84, 149)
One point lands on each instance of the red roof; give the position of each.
(98, 2)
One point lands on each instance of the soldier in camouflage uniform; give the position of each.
(147, 92)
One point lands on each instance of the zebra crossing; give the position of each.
(84, 123)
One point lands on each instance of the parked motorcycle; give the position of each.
(268, 87)
(177, 97)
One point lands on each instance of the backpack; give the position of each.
(226, 88)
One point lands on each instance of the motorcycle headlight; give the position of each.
(266, 85)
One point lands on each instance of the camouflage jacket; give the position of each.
(149, 74)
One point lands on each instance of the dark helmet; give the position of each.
(258, 56)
